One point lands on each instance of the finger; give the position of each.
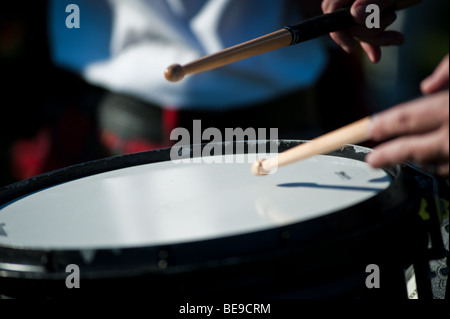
(379, 159)
(372, 51)
(439, 80)
(373, 38)
(427, 149)
(329, 6)
(386, 38)
(415, 117)
(345, 40)
(358, 9)
(364, 33)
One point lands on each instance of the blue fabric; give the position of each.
(75, 49)
(125, 46)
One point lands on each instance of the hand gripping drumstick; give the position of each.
(355, 133)
(291, 35)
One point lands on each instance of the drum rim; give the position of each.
(23, 262)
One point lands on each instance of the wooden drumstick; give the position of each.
(291, 35)
(267, 43)
(355, 133)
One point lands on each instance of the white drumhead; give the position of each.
(166, 203)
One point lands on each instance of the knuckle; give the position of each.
(405, 122)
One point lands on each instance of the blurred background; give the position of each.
(48, 114)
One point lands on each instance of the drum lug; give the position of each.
(163, 259)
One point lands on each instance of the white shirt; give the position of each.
(125, 46)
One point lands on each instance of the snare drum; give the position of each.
(143, 225)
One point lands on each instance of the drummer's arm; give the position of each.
(371, 39)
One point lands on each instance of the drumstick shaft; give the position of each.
(291, 35)
(355, 133)
(267, 43)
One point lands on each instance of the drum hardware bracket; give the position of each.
(429, 188)
(163, 262)
(433, 190)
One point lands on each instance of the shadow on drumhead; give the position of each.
(334, 187)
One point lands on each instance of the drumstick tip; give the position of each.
(258, 170)
(174, 73)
